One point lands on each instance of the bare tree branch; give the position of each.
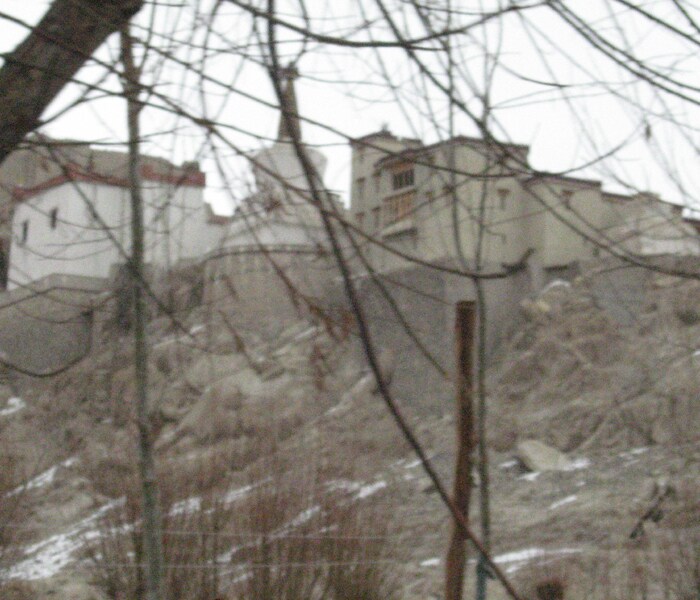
(36, 71)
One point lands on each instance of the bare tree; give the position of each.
(153, 542)
(444, 68)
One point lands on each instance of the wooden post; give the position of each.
(465, 314)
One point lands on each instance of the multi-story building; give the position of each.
(481, 200)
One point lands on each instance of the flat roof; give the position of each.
(459, 139)
(545, 177)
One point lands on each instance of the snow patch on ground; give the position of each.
(634, 452)
(194, 503)
(555, 283)
(519, 558)
(306, 334)
(563, 501)
(359, 490)
(575, 465)
(416, 463)
(430, 562)
(343, 485)
(43, 479)
(12, 406)
(370, 489)
(186, 506)
(509, 464)
(238, 493)
(578, 463)
(303, 517)
(48, 557)
(336, 408)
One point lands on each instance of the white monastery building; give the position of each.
(77, 222)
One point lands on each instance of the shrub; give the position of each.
(191, 525)
(266, 542)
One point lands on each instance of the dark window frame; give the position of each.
(24, 235)
(403, 178)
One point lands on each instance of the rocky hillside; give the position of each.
(594, 460)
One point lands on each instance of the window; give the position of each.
(360, 218)
(502, 197)
(360, 188)
(53, 218)
(271, 203)
(377, 217)
(403, 178)
(566, 196)
(377, 183)
(398, 207)
(24, 233)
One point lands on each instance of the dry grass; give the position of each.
(282, 537)
(13, 507)
(193, 517)
(317, 545)
(17, 590)
(667, 567)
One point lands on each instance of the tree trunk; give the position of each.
(152, 530)
(455, 561)
(36, 71)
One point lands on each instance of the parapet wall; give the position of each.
(48, 325)
(411, 313)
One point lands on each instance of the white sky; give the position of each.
(345, 89)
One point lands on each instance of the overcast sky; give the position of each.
(346, 91)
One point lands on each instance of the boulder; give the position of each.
(213, 417)
(213, 367)
(535, 310)
(171, 355)
(538, 456)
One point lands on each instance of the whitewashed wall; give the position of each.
(281, 160)
(175, 222)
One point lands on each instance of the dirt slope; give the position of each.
(236, 413)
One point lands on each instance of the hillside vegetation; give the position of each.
(283, 475)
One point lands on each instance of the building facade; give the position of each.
(480, 200)
(78, 222)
